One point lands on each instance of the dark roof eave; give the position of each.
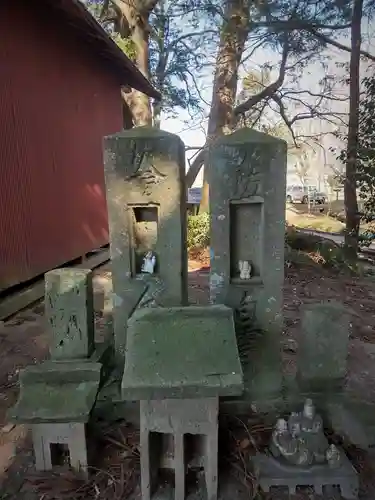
(78, 17)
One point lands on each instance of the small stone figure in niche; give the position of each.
(245, 269)
(333, 456)
(301, 440)
(149, 262)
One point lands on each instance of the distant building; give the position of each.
(60, 83)
(194, 199)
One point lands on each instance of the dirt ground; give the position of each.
(24, 341)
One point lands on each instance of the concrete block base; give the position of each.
(272, 473)
(57, 443)
(179, 434)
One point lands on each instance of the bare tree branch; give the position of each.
(341, 46)
(269, 90)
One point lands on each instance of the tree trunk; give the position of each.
(234, 33)
(350, 192)
(159, 76)
(135, 15)
(141, 103)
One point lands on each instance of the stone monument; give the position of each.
(145, 183)
(300, 455)
(247, 178)
(57, 396)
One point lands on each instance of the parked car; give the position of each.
(304, 194)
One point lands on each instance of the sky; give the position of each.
(193, 135)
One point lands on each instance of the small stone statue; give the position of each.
(245, 269)
(301, 440)
(149, 262)
(289, 447)
(333, 456)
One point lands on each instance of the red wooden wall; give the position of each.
(56, 104)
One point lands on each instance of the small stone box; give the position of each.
(179, 361)
(56, 398)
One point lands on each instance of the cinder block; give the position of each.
(72, 436)
(176, 418)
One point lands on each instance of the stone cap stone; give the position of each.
(57, 392)
(248, 135)
(181, 352)
(143, 132)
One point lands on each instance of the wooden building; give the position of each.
(60, 93)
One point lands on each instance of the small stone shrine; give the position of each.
(57, 396)
(300, 455)
(178, 369)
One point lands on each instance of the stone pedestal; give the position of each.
(56, 398)
(273, 473)
(247, 178)
(179, 362)
(179, 419)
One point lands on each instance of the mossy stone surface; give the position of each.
(187, 352)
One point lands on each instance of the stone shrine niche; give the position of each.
(144, 223)
(245, 240)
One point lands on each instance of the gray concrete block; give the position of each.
(273, 473)
(174, 420)
(72, 436)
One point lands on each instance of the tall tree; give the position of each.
(234, 32)
(176, 48)
(350, 186)
(299, 30)
(131, 20)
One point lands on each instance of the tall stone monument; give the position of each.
(247, 178)
(146, 198)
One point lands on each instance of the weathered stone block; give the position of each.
(70, 313)
(323, 345)
(181, 353)
(175, 420)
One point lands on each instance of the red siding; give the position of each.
(56, 104)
